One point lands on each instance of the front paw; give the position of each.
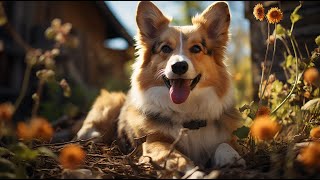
(226, 155)
(87, 132)
(175, 161)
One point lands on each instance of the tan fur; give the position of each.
(104, 115)
(211, 99)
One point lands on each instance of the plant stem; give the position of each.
(37, 100)
(25, 83)
(297, 78)
(273, 54)
(264, 63)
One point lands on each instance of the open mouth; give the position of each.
(180, 88)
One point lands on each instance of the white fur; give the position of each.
(190, 74)
(202, 103)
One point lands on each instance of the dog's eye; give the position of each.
(166, 49)
(195, 49)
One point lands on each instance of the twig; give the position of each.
(68, 142)
(173, 145)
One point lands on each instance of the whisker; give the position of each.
(159, 74)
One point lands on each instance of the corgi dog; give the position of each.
(179, 82)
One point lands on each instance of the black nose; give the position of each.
(180, 67)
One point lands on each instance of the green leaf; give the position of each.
(47, 152)
(23, 152)
(280, 30)
(316, 92)
(294, 17)
(6, 165)
(242, 132)
(317, 40)
(289, 61)
(4, 151)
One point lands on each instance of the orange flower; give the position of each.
(264, 128)
(307, 94)
(310, 75)
(6, 111)
(310, 155)
(258, 12)
(23, 131)
(263, 110)
(274, 15)
(72, 156)
(41, 129)
(38, 128)
(315, 133)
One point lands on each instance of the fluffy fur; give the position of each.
(151, 107)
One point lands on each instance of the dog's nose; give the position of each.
(180, 67)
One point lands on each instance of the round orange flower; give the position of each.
(315, 133)
(72, 156)
(263, 110)
(274, 15)
(264, 128)
(41, 129)
(310, 75)
(310, 156)
(6, 111)
(23, 131)
(258, 12)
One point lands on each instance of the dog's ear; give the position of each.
(216, 21)
(150, 19)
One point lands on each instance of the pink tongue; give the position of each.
(179, 90)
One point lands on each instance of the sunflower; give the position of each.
(258, 12)
(310, 156)
(6, 111)
(264, 128)
(72, 156)
(310, 75)
(315, 133)
(263, 110)
(274, 15)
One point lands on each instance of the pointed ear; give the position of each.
(150, 19)
(216, 20)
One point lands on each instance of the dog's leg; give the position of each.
(102, 118)
(161, 153)
(226, 155)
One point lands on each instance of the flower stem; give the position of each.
(264, 63)
(23, 90)
(37, 100)
(273, 55)
(296, 81)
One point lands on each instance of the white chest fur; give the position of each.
(199, 145)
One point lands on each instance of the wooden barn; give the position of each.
(91, 64)
(305, 31)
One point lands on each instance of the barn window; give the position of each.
(116, 43)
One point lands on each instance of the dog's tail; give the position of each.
(102, 119)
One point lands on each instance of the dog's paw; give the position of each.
(87, 133)
(194, 174)
(175, 161)
(226, 155)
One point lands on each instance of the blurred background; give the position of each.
(101, 49)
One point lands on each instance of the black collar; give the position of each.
(191, 124)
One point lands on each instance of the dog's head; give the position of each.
(182, 58)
